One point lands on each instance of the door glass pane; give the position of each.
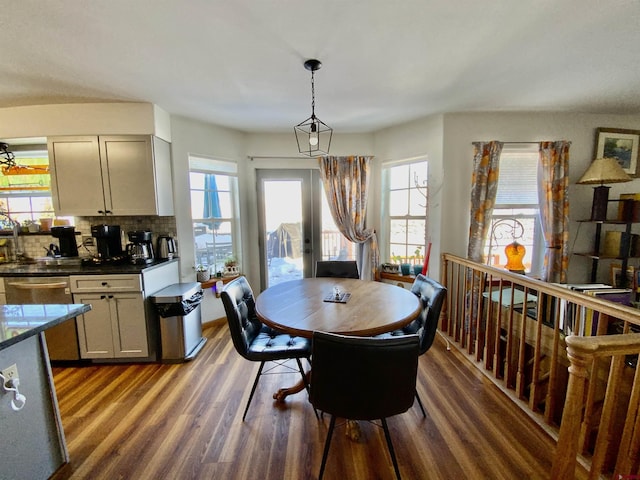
(335, 246)
(283, 225)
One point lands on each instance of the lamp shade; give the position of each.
(604, 170)
(515, 252)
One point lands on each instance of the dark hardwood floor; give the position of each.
(184, 421)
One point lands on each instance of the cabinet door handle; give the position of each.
(110, 296)
(34, 286)
(102, 297)
(104, 284)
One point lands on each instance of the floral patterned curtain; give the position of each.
(484, 185)
(346, 181)
(553, 186)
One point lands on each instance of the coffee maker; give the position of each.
(108, 241)
(140, 250)
(66, 236)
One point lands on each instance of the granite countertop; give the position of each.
(18, 322)
(39, 269)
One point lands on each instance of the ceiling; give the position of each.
(239, 63)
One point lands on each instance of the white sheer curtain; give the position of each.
(346, 182)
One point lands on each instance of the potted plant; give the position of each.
(417, 266)
(231, 266)
(202, 273)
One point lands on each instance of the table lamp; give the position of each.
(515, 252)
(602, 170)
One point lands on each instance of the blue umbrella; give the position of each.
(211, 200)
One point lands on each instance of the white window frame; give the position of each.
(385, 245)
(519, 212)
(206, 165)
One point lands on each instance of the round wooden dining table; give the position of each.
(300, 307)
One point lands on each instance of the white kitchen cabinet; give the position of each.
(114, 328)
(122, 323)
(110, 175)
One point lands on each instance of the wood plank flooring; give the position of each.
(184, 421)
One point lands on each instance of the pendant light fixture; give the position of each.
(7, 158)
(313, 135)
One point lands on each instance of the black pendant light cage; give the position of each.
(313, 135)
(7, 158)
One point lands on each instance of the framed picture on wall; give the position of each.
(616, 276)
(621, 144)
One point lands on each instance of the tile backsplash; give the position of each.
(34, 245)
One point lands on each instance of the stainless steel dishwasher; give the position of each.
(62, 340)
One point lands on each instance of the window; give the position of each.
(25, 189)
(335, 246)
(405, 189)
(214, 211)
(515, 214)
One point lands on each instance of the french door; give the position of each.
(289, 216)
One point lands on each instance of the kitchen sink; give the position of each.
(59, 261)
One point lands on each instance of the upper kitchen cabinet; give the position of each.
(110, 175)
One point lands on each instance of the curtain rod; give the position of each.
(278, 157)
(512, 143)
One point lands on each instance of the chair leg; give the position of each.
(390, 446)
(327, 443)
(304, 376)
(424, 414)
(253, 389)
(306, 383)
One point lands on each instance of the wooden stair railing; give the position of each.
(514, 329)
(584, 353)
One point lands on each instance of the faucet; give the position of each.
(15, 226)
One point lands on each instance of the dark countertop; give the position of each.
(18, 322)
(43, 270)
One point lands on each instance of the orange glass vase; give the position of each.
(515, 253)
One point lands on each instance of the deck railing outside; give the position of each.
(566, 358)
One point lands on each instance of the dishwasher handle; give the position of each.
(37, 286)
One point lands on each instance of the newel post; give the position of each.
(564, 462)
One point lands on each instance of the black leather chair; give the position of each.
(337, 269)
(432, 295)
(363, 378)
(254, 340)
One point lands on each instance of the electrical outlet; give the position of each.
(87, 241)
(10, 373)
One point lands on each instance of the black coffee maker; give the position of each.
(108, 241)
(140, 250)
(66, 236)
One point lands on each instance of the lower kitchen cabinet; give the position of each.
(115, 327)
(122, 323)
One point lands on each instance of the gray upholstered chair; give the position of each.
(254, 340)
(337, 269)
(432, 296)
(363, 378)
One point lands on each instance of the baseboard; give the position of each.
(213, 323)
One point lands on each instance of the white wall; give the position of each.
(447, 142)
(460, 130)
(280, 151)
(191, 137)
(84, 119)
(421, 138)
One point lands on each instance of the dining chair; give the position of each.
(337, 269)
(363, 378)
(254, 340)
(432, 295)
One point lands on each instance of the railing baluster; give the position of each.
(523, 351)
